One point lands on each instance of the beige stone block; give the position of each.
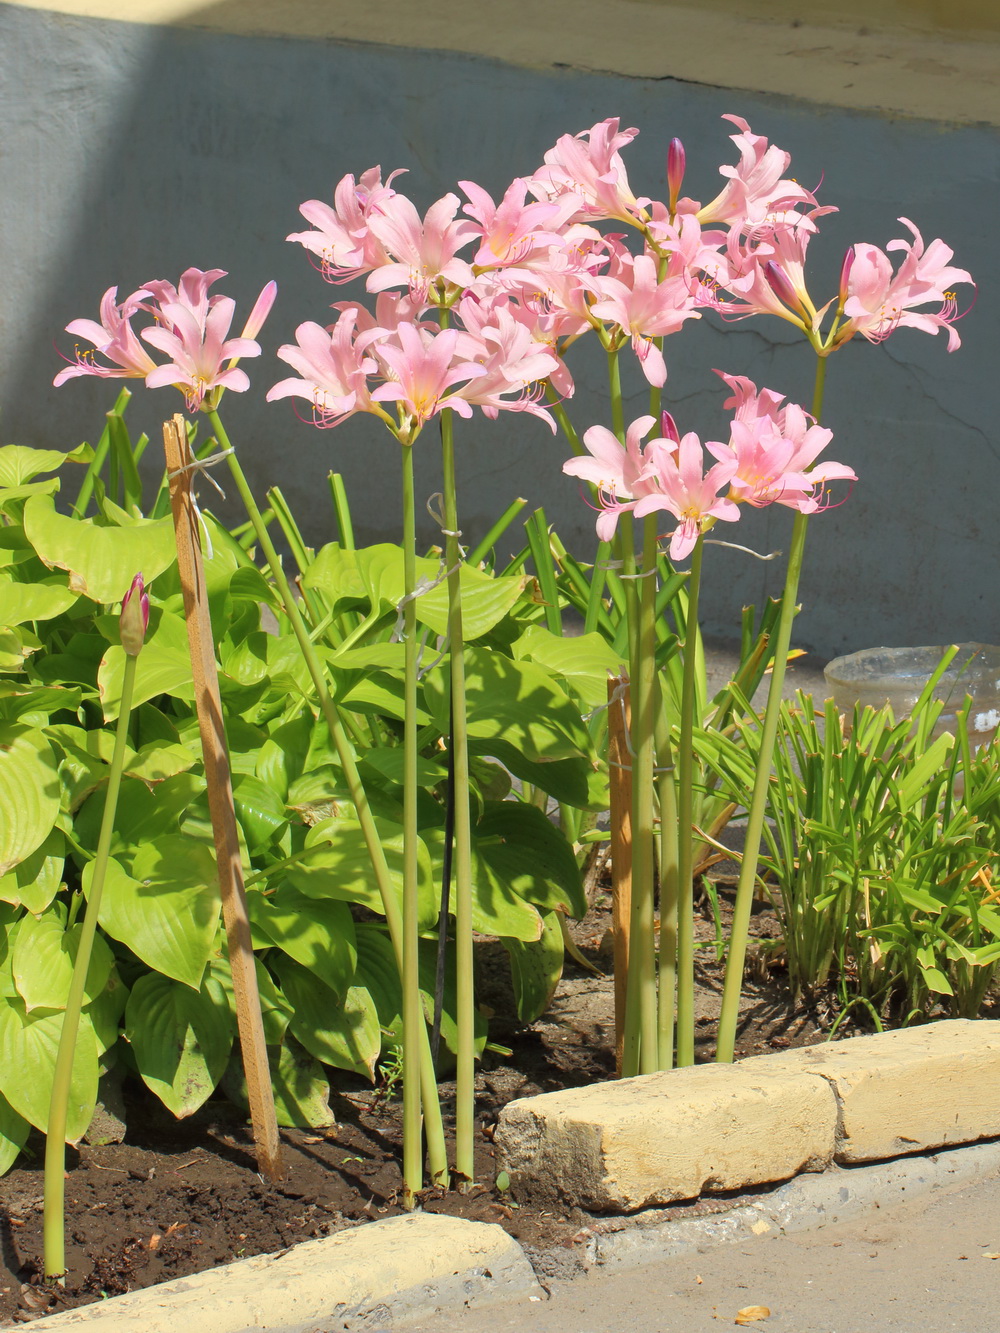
(907, 1091)
(388, 1268)
(661, 1137)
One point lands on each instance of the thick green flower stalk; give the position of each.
(132, 625)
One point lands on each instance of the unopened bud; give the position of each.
(845, 273)
(780, 284)
(668, 428)
(134, 619)
(261, 310)
(676, 162)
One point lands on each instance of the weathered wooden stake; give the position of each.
(220, 801)
(620, 767)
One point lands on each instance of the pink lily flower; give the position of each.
(617, 472)
(113, 338)
(513, 232)
(756, 187)
(879, 302)
(194, 335)
(422, 368)
(775, 448)
(342, 239)
(645, 308)
(333, 370)
(686, 491)
(765, 271)
(513, 360)
(590, 167)
(421, 254)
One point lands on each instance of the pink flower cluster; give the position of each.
(188, 326)
(477, 302)
(768, 459)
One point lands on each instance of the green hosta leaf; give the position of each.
(317, 933)
(378, 692)
(496, 908)
(14, 1131)
(536, 967)
(101, 562)
(340, 867)
(583, 663)
(18, 701)
(526, 852)
(245, 663)
(514, 702)
(28, 1046)
(485, 600)
(16, 645)
(576, 782)
(281, 757)
(392, 655)
(388, 760)
(19, 463)
(260, 812)
(301, 1093)
(167, 909)
(35, 881)
(43, 959)
(106, 1010)
(340, 1031)
(164, 667)
(181, 1039)
(334, 573)
(144, 815)
(29, 792)
(33, 601)
(155, 762)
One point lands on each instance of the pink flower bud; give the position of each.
(261, 310)
(779, 283)
(845, 273)
(676, 162)
(668, 428)
(134, 619)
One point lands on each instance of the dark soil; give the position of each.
(178, 1197)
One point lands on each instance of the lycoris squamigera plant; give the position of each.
(187, 325)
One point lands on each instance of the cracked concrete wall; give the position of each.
(131, 150)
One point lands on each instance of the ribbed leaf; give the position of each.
(181, 1039)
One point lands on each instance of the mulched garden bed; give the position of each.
(177, 1197)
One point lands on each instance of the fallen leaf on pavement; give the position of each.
(751, 1313)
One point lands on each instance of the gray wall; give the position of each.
(129, 152)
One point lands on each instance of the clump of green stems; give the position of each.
(133, 626)
(881, 853)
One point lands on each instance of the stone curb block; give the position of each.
(664, 1137)
(638, 1142)
(382, 1270)
(907, 1091)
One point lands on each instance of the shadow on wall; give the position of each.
(133, 152)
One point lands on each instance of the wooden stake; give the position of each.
(220, 801)
(620, 766)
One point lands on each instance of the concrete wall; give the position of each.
(130, 150)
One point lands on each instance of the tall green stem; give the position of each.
(685, 821)
(641, 992)
(465, 1072)
(436, 1150)
(413, 1020)
(733, 985)
(54, 1223)
(667, 799)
